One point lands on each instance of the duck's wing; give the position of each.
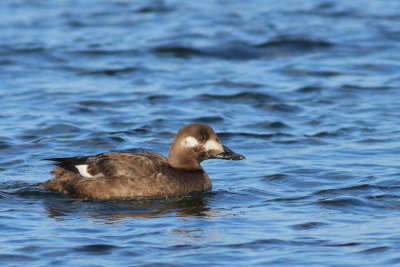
(71, 160)
(76, 164)
(108, 175)
(114, 164)
(132, 165)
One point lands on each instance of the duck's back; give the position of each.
(124, 175)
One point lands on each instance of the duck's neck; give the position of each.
(181, 160)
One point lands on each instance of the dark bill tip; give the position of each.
(228, 154)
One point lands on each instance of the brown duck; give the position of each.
(143, 174)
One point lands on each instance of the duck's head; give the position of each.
(197, 142)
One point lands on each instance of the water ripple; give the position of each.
(310, 101)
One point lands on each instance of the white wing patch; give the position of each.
(82, 169)
(190, 141)
(213, 145)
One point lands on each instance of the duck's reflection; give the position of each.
(58, 206)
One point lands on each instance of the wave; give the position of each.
(241, 97)
(240, 50)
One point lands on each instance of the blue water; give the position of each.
(307, 90)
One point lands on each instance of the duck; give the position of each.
(131, 175)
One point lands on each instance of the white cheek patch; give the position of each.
(82, 169)
(190, 141)
(213, 145)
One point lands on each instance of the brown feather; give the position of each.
(138, 175)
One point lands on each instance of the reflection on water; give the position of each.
(114, 210)
(59, 205)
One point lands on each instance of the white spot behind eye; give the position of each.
(82, 169)
(190, 141)
(213, 145)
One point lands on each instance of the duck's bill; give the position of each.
(228, 154)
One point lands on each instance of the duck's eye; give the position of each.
(202, 137)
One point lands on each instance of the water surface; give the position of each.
(308, 91)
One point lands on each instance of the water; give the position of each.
(307, 90)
